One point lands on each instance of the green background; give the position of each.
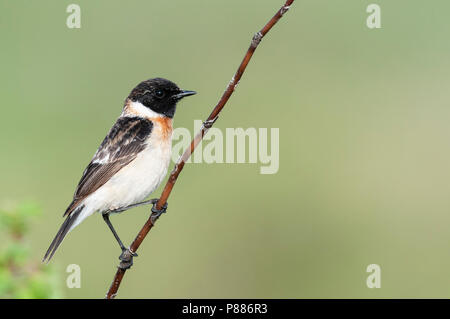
(363, 115)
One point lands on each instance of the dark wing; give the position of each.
(124, 141)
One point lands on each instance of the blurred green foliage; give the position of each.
(20, 275)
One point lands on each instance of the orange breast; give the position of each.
(162, 126)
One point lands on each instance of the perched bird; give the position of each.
(131, 161)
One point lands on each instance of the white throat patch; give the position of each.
(137, 108)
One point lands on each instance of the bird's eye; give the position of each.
(159, 94)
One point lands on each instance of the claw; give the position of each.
(157, 212)
(126, 258)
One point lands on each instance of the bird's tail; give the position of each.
(68, 224)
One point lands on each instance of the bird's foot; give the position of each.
(157, 212)
(126, 258)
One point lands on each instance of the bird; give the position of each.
(130, 163)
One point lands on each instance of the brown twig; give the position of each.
(197, 139)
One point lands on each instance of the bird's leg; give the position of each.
(108, 222)
(157, 212)
(127, 255)
(122, 209)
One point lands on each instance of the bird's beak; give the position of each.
(183, 94)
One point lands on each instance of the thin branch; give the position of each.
(197, 139)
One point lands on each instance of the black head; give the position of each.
(159, 95)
